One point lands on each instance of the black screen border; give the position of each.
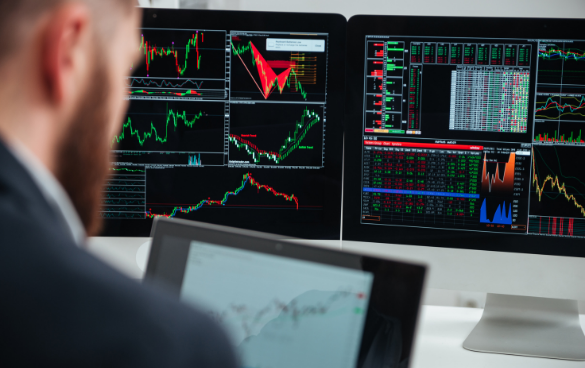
(335, 26)
(361, 25)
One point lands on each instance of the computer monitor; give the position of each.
(465, 137)
(235, 118)
(289, 305)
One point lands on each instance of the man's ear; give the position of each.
(62, 46)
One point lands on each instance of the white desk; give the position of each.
(441, 329)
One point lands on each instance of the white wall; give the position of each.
(498, 8)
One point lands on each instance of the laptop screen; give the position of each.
(279, 311)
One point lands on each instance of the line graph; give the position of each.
(126, 169)
(296, 306)
(562, 64)
(247, 180)
(178, 88)
(160, 83)
(172, 126)
(497, 182)
(251, 320)
(555, 107)
(261, 74)
(258, 138)
(554, 52)
(557, 184)
(173, 118)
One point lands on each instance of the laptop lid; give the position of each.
(290, 305)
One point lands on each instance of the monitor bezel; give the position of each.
(331, 175)
(407, 285)
(464, 27)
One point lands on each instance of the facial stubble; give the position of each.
(85, 153)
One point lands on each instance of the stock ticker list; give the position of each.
(446, 126)
(428, 184)
(459, 186)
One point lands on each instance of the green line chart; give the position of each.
(173, 119)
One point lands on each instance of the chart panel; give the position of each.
(561, 68)
(276, 135)
(278, 67)
(452, 90)
(450, 186)
(124, 194)
(234, 197)
(189, 133)
(180, 64)
(557, 185)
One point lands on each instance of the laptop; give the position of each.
(285, 304)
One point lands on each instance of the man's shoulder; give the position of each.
(64, 300)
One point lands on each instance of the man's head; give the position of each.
(62, 66)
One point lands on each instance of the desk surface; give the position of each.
(441, 329)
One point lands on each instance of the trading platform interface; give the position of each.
(474, 134)
(222, 121)
(280, 312)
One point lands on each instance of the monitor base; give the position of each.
(528, 326)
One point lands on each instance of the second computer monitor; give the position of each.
(466, 133)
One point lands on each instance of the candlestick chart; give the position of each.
(289, 135)
(261, 74)
(247, 180)
(557, 183)
(562, 64)
(179, 63)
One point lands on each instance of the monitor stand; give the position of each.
(528, 326)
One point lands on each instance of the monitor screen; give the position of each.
(280, 312)
(471, 133)
(230, 122)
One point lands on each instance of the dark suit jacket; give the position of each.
(60, 306)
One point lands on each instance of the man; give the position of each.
(62, 68)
